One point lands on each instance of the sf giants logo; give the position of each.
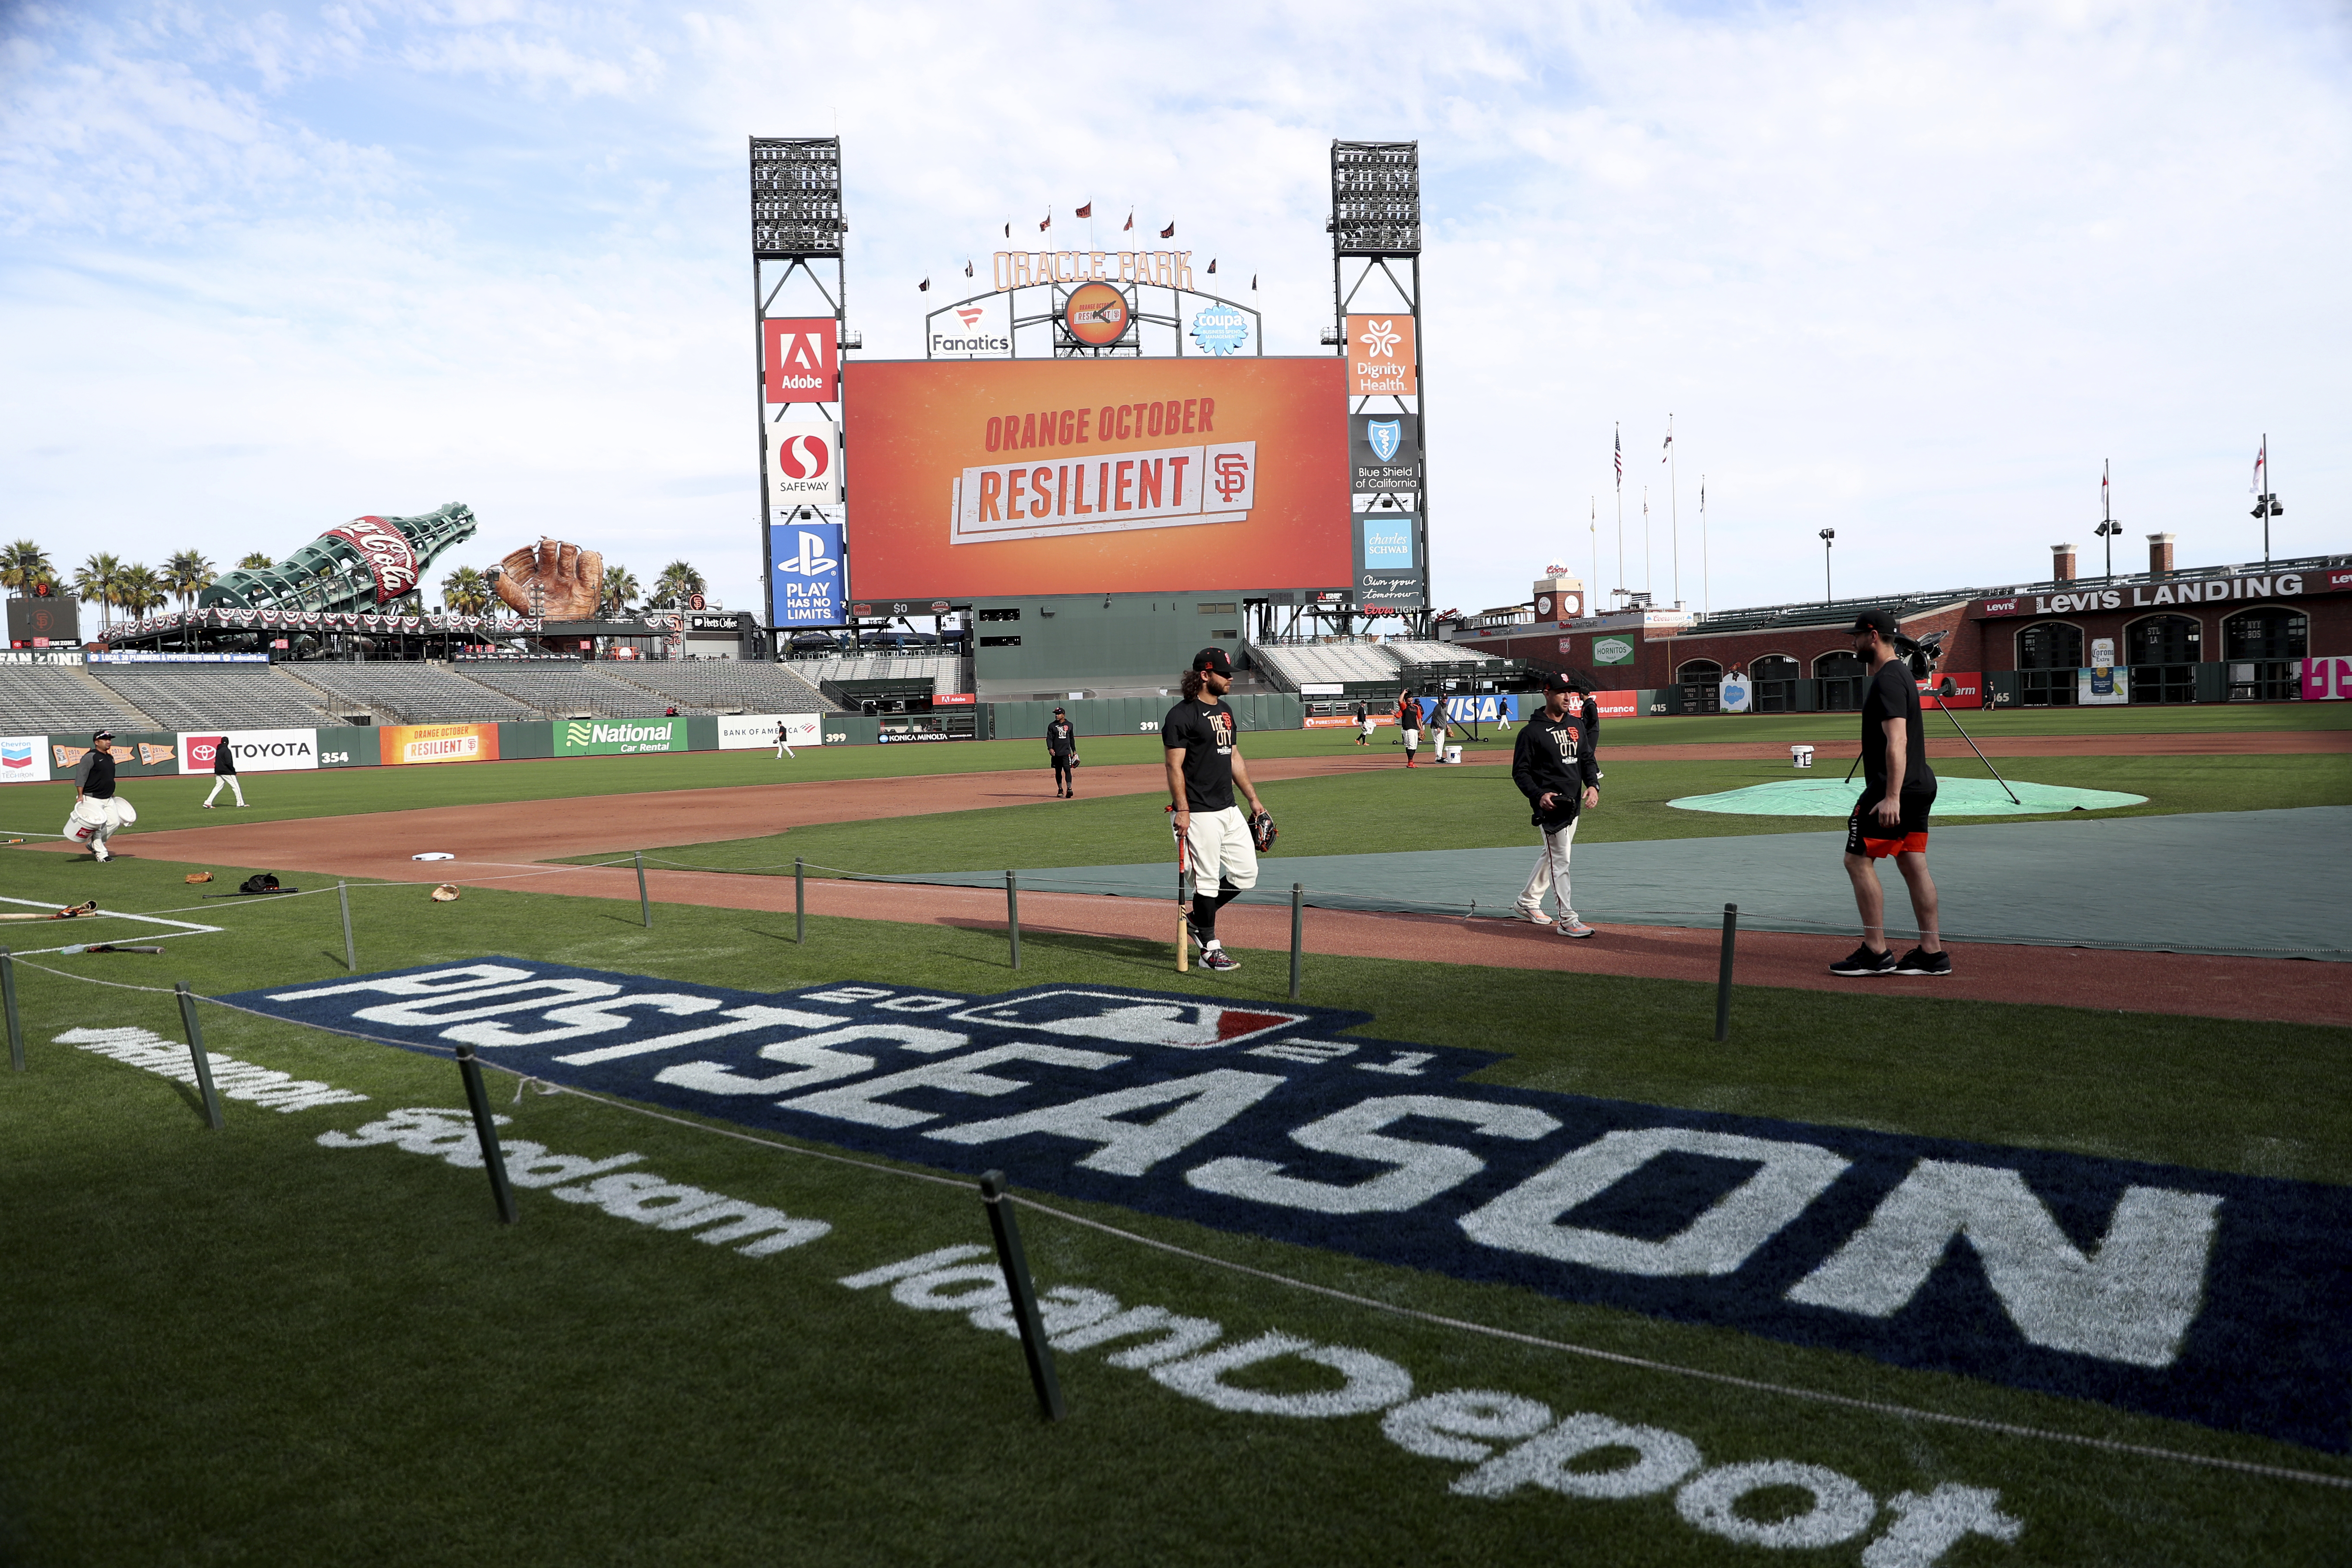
(803, 359)
(1220, 727)
(1231, 476)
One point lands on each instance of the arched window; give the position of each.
(2263, 646)
(1701, 680)
(2163, 651)
(1774, 677)
(2048, 655)
(1841, 675)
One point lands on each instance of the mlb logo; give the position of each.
(1131, 1020)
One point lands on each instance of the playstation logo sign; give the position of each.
(812, 561)
(806, 582)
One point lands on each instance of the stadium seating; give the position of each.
(198, 697)
(1292, 664)
(943, 671)
(405, 692)
(1411, 653)
(572, 690)
(726, 685)
(46, 699)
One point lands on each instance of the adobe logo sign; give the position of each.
(800, 359)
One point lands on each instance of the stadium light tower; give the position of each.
(796, 220)
(1376, 327)
(1829, 537)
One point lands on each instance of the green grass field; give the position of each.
(243, 1347)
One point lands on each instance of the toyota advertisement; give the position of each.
(1096, 476)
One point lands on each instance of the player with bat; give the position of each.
(1215, 844)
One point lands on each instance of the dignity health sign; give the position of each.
(2217, 1298)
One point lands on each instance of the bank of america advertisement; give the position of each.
(1096, 476)
(804, 567)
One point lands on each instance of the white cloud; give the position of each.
(1906, 272)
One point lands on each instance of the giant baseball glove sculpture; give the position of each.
(571, 580)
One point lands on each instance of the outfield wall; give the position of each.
(1136, 715)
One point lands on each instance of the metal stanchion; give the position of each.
(1016, 1264)
(645, 905)
(8, 1002)
(351, 949)
(1013, 915)
(1298, 931)
(196, 1051)
(800, 899)
(1723, 978)
(486, 1130)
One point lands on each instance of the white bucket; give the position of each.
(1453, 753)
(1802, 755)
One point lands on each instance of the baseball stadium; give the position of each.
(597, 1090)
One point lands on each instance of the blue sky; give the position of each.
(1909, 272)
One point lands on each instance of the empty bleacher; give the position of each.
(1413, 653)
(200, 697)
(726, 685)
(943, 671)
(1290, 665)
(574, 691)
(409, 693)
(45, 699)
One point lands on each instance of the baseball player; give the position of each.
(1553, 767)
(1203, 755)
(97, 786)
(1592, 710)
(1363, 723)
(225, 773)
(1891, 818)
(785, 741)
(1062, 751)
(1408, 720)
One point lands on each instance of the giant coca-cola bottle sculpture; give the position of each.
(366, 564)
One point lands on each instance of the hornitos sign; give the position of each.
(602, 737)
(2186, 591)
(2200, 1296)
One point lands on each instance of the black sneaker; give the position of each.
(1919, 961)
(1862, 962)
(1218, 959)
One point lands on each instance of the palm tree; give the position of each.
(187, 574)
(679, 581)
(620, 589)
(25, 566)
(466, 591)
(139, 589)
(257, 561)
(94, 583)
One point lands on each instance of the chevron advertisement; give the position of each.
(804, 562)
(24, 759)
(2200, 1296)
(1096, 476)
(618, 737)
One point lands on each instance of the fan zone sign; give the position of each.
(2217, 1298)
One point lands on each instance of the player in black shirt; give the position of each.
(1204, 764)
(98, 784)
(1890, 817)
(1062, 751)
(1552, 763)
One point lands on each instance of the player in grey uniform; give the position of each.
(1552, 764)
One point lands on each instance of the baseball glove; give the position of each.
(570, 580)
(447, 893)
(1263, 832)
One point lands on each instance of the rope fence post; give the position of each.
(1024, 1292)
(1013, 914)
(8, 1002)
(486, 1131)
(645, 905)
(196, 1052)
(1298, 931)
(351, 949)
(1723, 977)
(800, 900)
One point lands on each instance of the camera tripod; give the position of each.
(1925, 652)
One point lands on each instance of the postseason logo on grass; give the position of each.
(2216, 1299)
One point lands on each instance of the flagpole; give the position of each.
(1648, 559)
(1706, 582)
(1674, 511)
(1593, 529)
(1621, 510)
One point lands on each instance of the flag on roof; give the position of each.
(1087, 211)
(1130, 221)
(1620, 439)
(1169, 232)
(924, 286)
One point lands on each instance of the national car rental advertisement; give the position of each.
(970, 478)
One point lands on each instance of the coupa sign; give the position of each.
(2210, 1298)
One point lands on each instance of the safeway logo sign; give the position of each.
(812, 561)
(803, 466)
(803, 359)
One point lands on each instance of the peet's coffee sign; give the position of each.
(2147, 595)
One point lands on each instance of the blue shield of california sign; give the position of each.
(1384, 435)
(2203, 1296)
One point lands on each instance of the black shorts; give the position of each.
(1868, 836)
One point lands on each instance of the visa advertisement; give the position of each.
(1096, 476)
(404, 745)
(804, 569)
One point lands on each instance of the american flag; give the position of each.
(1620, 459)
(1667, 450)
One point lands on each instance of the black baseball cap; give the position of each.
(1215, 660)
(101, 735)
(1058, 710)
(1880, 621)
(1560, 680)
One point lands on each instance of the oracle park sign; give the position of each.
(2217, 1298)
